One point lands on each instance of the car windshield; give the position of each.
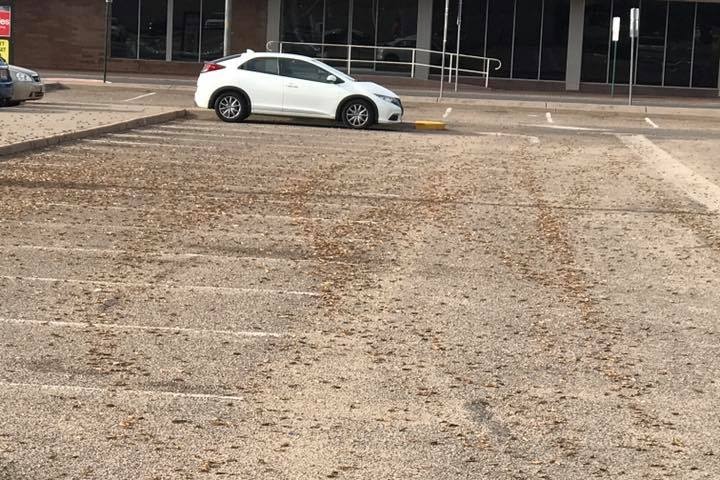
(335, 71)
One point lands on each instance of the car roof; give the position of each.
(250, 55)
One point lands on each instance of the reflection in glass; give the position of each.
(553, 62)
(651, 48)
(397, 27)
(527, 39)
(213, 29)
(595, 41)
(499, 34)
(186, 29)
(679, 44)
(707, 46)
(124, 39)
(153, 26)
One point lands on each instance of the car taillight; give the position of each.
(211, 67)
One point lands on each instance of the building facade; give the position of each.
(553, 44)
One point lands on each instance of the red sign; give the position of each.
(5, 21)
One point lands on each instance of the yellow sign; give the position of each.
(5, 49)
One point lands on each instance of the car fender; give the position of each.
(341, 105)
(224, 89)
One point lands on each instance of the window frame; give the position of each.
(281, 60)
(244, 65)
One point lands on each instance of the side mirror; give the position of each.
(332, 79)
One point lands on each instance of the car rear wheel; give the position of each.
(231, 107)
(357, 114)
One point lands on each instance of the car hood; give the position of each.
(26, 71)
(375, 89)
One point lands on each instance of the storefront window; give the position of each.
(124, 39)
(553, 61)
(707, 46)
(186, 29)
(139, 29)
(651, 49)
(153, 29)
(501, 16)
(595, 40)
(526, 58)
(679, 44)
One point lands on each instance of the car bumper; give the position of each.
(6, 91)
(390, 113)
(35, 92)
(202, 100)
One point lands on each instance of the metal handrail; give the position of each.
(452, 67)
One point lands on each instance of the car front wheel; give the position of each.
(357, 114)
(231, 107)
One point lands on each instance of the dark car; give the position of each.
(6, 84)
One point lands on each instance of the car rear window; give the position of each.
(267, 65)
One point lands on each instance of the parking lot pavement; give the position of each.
(273, 301)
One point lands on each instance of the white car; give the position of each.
(292, 86)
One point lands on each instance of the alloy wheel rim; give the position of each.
(357, 115)
(230, 107)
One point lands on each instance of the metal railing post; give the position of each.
(487, 73)
(349, 59)
(280, 47)
(412, 67)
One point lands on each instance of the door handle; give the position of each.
(292, 85)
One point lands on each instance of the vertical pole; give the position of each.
(632, 67)
(445, 32)
(228, 31)
(412, 67)
(108, 6)
(614, 69)
(457, 48)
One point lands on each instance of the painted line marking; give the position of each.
(530, 138)
(576, 129)
(447, 113)
(549, 118)
(147, 144)
(140, 96)
(114, 326)
(168, 286)
(170, 256)
(147, 393)
(651, 123)
(696, 186)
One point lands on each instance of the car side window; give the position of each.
(302, 70)
(268, 65)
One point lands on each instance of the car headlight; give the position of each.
(23, 77)
(394, 100)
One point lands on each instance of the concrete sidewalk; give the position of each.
(406, 87)
(40, 124)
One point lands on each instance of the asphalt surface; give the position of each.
(522, 296)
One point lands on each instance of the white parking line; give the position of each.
(147, 144)
(549, 118)
(167, 286)
(140, 96)
(530, 138)
(117, 391)
(113, 326)
(651, 123)
(695, 186)
(575, 129)
(169, 256)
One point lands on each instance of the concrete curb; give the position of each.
(572, 107)
(69, 83)
(103, 129)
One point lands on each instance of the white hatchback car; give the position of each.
(292, 86)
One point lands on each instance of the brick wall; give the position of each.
(68, 35)
(52, 34)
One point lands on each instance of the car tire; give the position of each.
(14, 104)
(231, 107)
(357, 114)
